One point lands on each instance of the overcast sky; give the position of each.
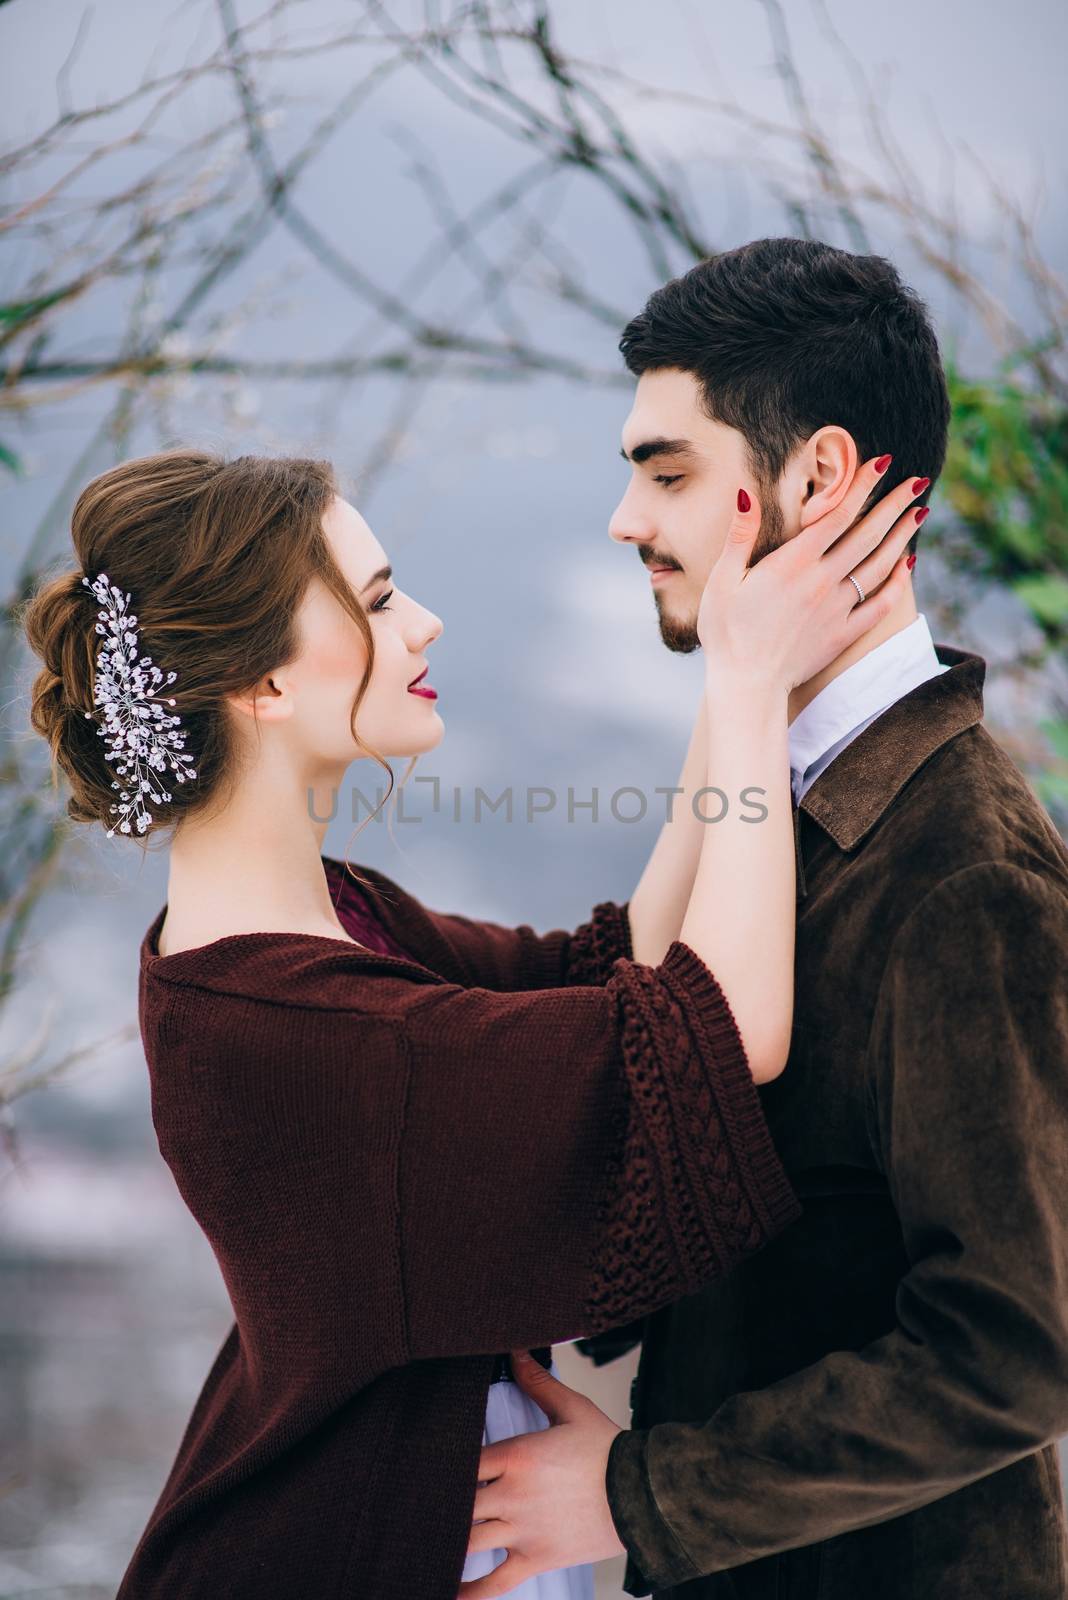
(991, 75)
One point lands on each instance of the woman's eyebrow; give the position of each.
(649, 448)
(383, 572)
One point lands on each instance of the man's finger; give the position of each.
(492, 1460)
(555, 1398)
(489, 1501)
(491, 1535)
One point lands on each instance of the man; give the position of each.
(870, 1406)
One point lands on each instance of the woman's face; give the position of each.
(325, 678)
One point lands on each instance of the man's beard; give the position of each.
(681, 636)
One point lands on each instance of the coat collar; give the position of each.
(850, 795)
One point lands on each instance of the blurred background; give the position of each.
(407, 236)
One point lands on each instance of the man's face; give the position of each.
(686, 471)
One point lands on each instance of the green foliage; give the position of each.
(1006, 477)
(15, 315)
(1052, 783)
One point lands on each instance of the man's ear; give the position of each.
(825, 469)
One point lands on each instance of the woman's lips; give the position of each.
(420, 686)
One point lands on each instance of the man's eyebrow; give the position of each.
(659, 447)
(383, 572)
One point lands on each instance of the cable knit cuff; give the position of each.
(696, 1184)
(760, 1171)
(598, 944)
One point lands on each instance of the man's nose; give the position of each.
(627, 525)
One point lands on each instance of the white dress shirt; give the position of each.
(846, 705)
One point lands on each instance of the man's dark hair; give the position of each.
(789, 335)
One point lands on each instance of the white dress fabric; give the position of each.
(509, 1412)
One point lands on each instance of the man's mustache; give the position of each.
(652, 562)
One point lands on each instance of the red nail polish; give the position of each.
(924, 511)
(882, 463)
(744, 501)
(920, 485)
(911, 562)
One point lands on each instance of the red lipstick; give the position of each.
(417, 686)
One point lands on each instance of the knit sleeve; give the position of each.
(574, 1159)
(495, 956)
(401, 1168)
(481, 953)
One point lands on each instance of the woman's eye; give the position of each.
(380, 605)
(665, 479)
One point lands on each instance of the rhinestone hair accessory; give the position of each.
(140, 738)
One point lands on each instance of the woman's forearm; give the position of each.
(658, 904)
(741, 915)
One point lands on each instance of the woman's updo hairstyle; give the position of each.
(216, 556)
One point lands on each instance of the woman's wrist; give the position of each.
(749, 693)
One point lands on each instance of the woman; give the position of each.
(414, 1140)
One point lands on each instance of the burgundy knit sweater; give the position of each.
(405, 1166)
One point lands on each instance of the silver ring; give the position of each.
(856, 586)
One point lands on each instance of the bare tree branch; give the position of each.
(153, 204)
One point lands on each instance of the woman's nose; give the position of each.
(429, 628)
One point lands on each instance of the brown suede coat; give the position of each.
(867, 1409)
